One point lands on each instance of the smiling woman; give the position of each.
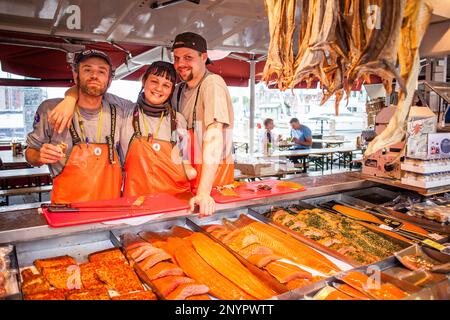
(151, 134)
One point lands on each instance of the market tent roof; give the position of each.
(230, 25)
(51, 65)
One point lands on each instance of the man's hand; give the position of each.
(50, 153)
(205, 202)
(297, 141)
(61, 116)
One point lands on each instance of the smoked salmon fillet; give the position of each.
(226, 264)
(289, 248)
(261, 260)
(254, 249)
(199, 297)
(197, 268)
(297, 283)
(285, 272)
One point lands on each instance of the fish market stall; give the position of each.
(320, 243)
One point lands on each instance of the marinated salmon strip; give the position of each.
(285, 272)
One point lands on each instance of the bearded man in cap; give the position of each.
(83, 158)
(203, 98)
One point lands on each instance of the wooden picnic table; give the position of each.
(28, 173)
(329, 143)
(281, 173)
(12, 162)
(306, 152)
(344, 153)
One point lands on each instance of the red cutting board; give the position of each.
(153, 204)
(246, 192)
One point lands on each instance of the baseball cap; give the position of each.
(80, 57)
(191, 40)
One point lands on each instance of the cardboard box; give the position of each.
(256, 169)
(429, 146)
(421, 120)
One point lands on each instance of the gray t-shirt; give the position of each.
(127, 130)
(213, 104)
(43, 132)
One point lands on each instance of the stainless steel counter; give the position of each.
(25, 225)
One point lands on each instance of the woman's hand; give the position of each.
(61, 116)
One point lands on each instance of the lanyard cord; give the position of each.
(145, 124)
(99, 128)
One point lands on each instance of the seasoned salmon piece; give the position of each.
(285, 272)
(119, 277)
(88, 275)
(63, 277)
(27, 274)
(186, 290)
(54, 262)
(34, 284)
(154, 259)
(163, 269)
(107, 255)
(56, 294)
(166, 285)
(261, 260)
(95, 294)
(144, 295)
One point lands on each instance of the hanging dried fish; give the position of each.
(281, 15)
(416, 19)
(379, 56)
(343, 41)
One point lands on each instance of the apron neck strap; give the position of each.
(110, 138)
(173, 126)
(180, 90)
(73, 133)
(136, 126)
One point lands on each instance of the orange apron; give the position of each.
(149, 168)
(92, 171)
(225, 170)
